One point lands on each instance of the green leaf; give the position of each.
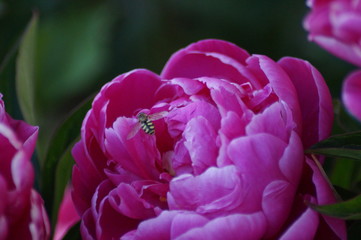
(349, 210)
(25, 76)
(58, 156)
(62, 177)
(73, 233)
(341, 146)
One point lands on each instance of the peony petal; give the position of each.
(257, 160)
(223, 61)
(351, 94)
(276, 204)
(178, 119)
(107, 218)
(138, 155)
(275, 120)
(87, 226)
(325, 195)
(237, 226)
(180, 160)
(216, 190)
(84, 179)
(39, 224)
(184, 222)
(231, 127)
(313, 93)
(346, 25)
(127, 201)
(292, 160)
(158, 228)
(303, 228)
(189, 86)
(67, 216)
(226, 96)
(348, 52)
(281, 84)
(220, 46)
(200, 141)
(129, 92)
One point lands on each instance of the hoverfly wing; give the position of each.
(157, 116)
(134, 130)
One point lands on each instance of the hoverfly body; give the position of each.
(145, 122)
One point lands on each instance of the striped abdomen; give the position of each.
(147, 126)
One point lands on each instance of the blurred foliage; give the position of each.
(82, 44)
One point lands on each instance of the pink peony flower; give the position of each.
(335, 26)
(22, 212)
(351, 93)
(226, 159)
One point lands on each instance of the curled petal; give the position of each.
(313, 93)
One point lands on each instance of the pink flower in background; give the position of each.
(351, 93)
(226, 159)
(335, 26)
(22, 213)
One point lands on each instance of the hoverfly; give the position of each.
(145, 123)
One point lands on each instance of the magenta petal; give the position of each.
(223, 61)
(3, 204)
(349, 52)
(180, 159)
(186, 221)
(258, 168)
(128, 202)
(200, 140)
(276, 204)
(275, 120)
(220, 46)
(292, 160)
(189, 86)
(216, 190)
(226, 96)
(178, 119)
(313, 93)
(84, 179)
(39, 225)
(125, 96)
(347, 26)
(230, 129)
(87, 226)
(105, 216)
(22, 171)
(281, 85)
(231, 227)
(325, 195)
(158, 228)
(67, 216)
(134, 155)
(351, 94)
(304, 227)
